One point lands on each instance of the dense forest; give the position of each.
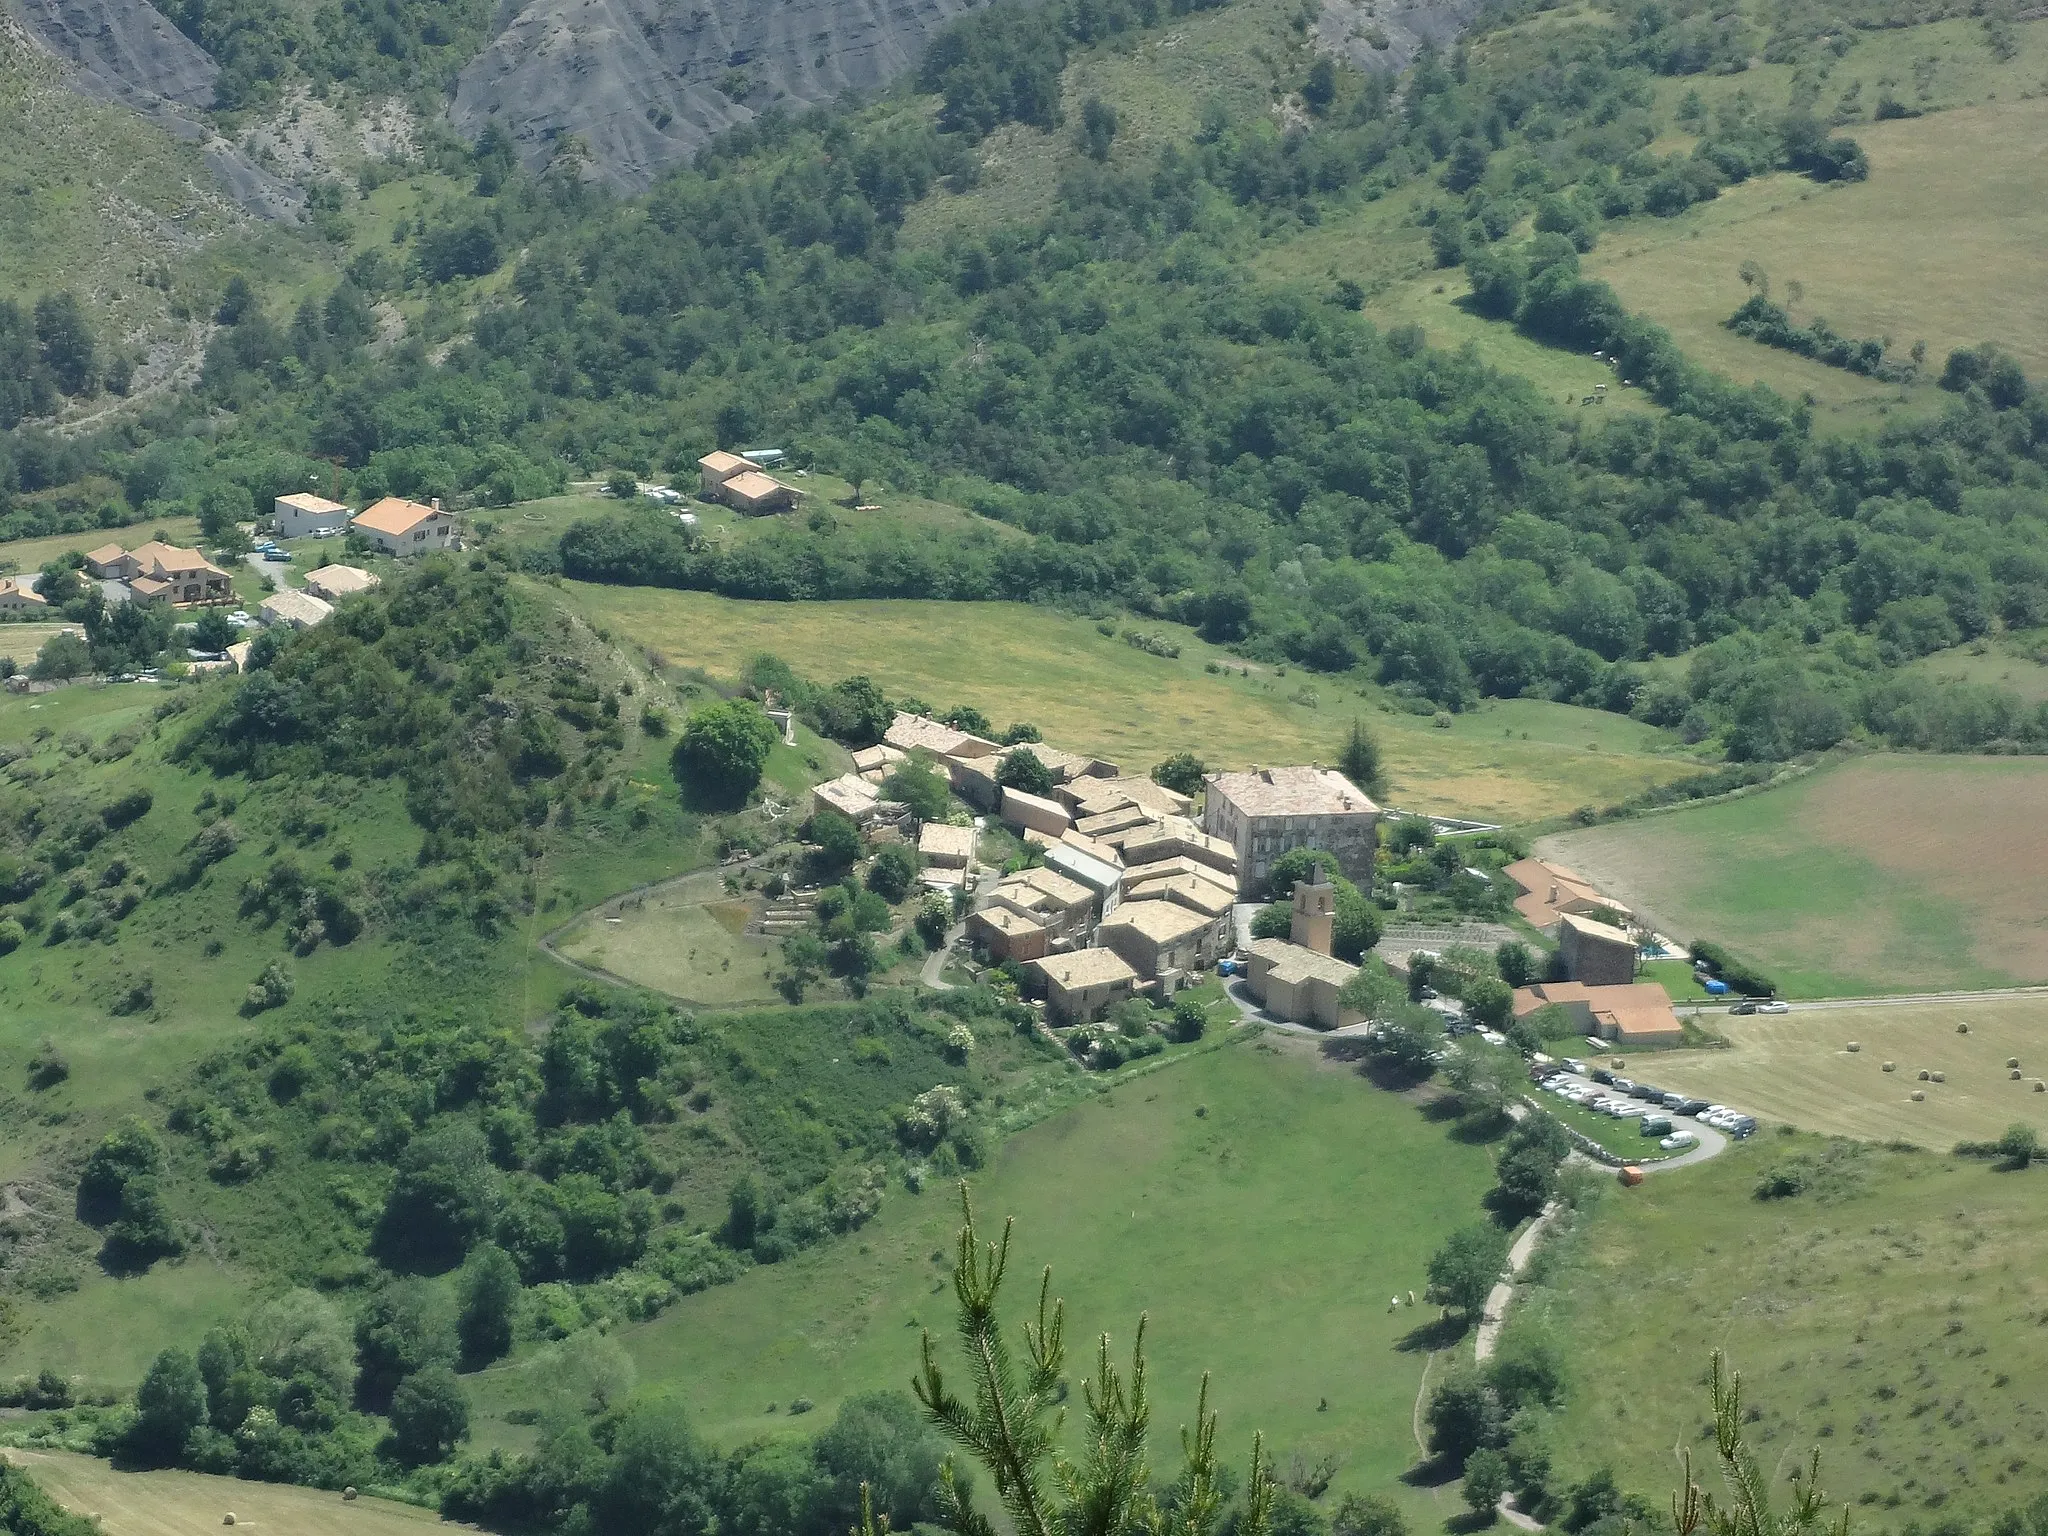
(1253, 458)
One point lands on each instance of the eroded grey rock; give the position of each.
(638, 81)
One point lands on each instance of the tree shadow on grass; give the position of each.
(1471, 1520)
(1435, 1472)
(1438, 1333)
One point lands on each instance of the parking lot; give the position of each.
(1674, 1124)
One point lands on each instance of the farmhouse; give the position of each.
(1034, 813)
(1008, 934)
(945, 847)
(303, 516)
(1082, 986)
(850, 795)
(1550, 890)
(753, 493)
(1161, 940)
(1064, 907)
(110, 562)
(714, 469)
(1636, 1014)
(912, 733)
(400, 527)
(19, 597)
(1596, 953)
(1270, 811)
(164, 573)
(337, 581)
(294, 610)
(1102, 876)
(1095, 796)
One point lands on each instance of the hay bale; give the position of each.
(2040, 1086)
(2014, 1074)
(1854, 1047)
(1941, 1077)
(2012, 1061)
(228, 1518)
(1962, 1029)
(1918, 1096)
(1923, 1074)
(1891, 1066)
(348, 1495)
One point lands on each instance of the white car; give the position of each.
(1678, 1141)
(1774, 1006)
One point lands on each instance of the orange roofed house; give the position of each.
(1550, 890)
(1636, 1014)
(162, 573)
(405, 527)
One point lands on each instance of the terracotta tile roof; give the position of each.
(292, 607)
(394, 516)
(1297, 791)
(106, 554)
(1085, 968)
(1160, 921)
(752, 485)
(723, 463)
(341, 581)
(936, 840)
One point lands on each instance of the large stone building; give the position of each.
(1596, 953)
(1163, 941)
(1270, 811)
(1637, 1014)
(1082, 986)
(1297, 978)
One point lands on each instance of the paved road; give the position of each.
(935, 962)
(1917, 999)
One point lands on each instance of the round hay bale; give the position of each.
(1923, 1074)
(2014, 1074)
(1891, 1066)
(348, 1495)
(228, 1518)
(1962, 1029)
(1941, 1077)
(1918, 1096)
(2040, 1086)
(2012, 1061)
(1618, 1063)
(1854, 1046)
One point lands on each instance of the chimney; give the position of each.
(1553, 893)
(437, 503)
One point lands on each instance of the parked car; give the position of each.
(1745, 1006)
(1573, 1064)
(1678, 1141)
(1675, 1102)
(1656, 1125)
(1645, 1091)
(1602, 1075)
(1774, 1006)
(1690, 1107)
(1623, 1085)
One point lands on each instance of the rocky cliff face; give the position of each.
(124, 51)
(643, 83)
(1381, 35)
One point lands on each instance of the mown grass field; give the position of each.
(1258, 1204)
(1940, 245)
(1889, 1315)
(1797, 1068)
(187, 1503)
(1509, 760)
(1882, 874)
(684, 939)
(1993, 665)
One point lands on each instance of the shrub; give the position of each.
(47, 1068)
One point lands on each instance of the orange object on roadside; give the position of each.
(1630, 1176)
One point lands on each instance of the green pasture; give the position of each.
(1508, 760)
(1257, 1203)
(1888, 1315)
(1883, 874)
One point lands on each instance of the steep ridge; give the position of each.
(1387, 34)
(642, 84)
(125, 52)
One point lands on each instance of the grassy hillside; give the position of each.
(1506, 760)
(1226, 1196)
(1882, 874)
(1887, 1314)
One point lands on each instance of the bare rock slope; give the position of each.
(643, 83)
(1384, 35)
(125, 51)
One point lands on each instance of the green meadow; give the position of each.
(1258, 1204)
